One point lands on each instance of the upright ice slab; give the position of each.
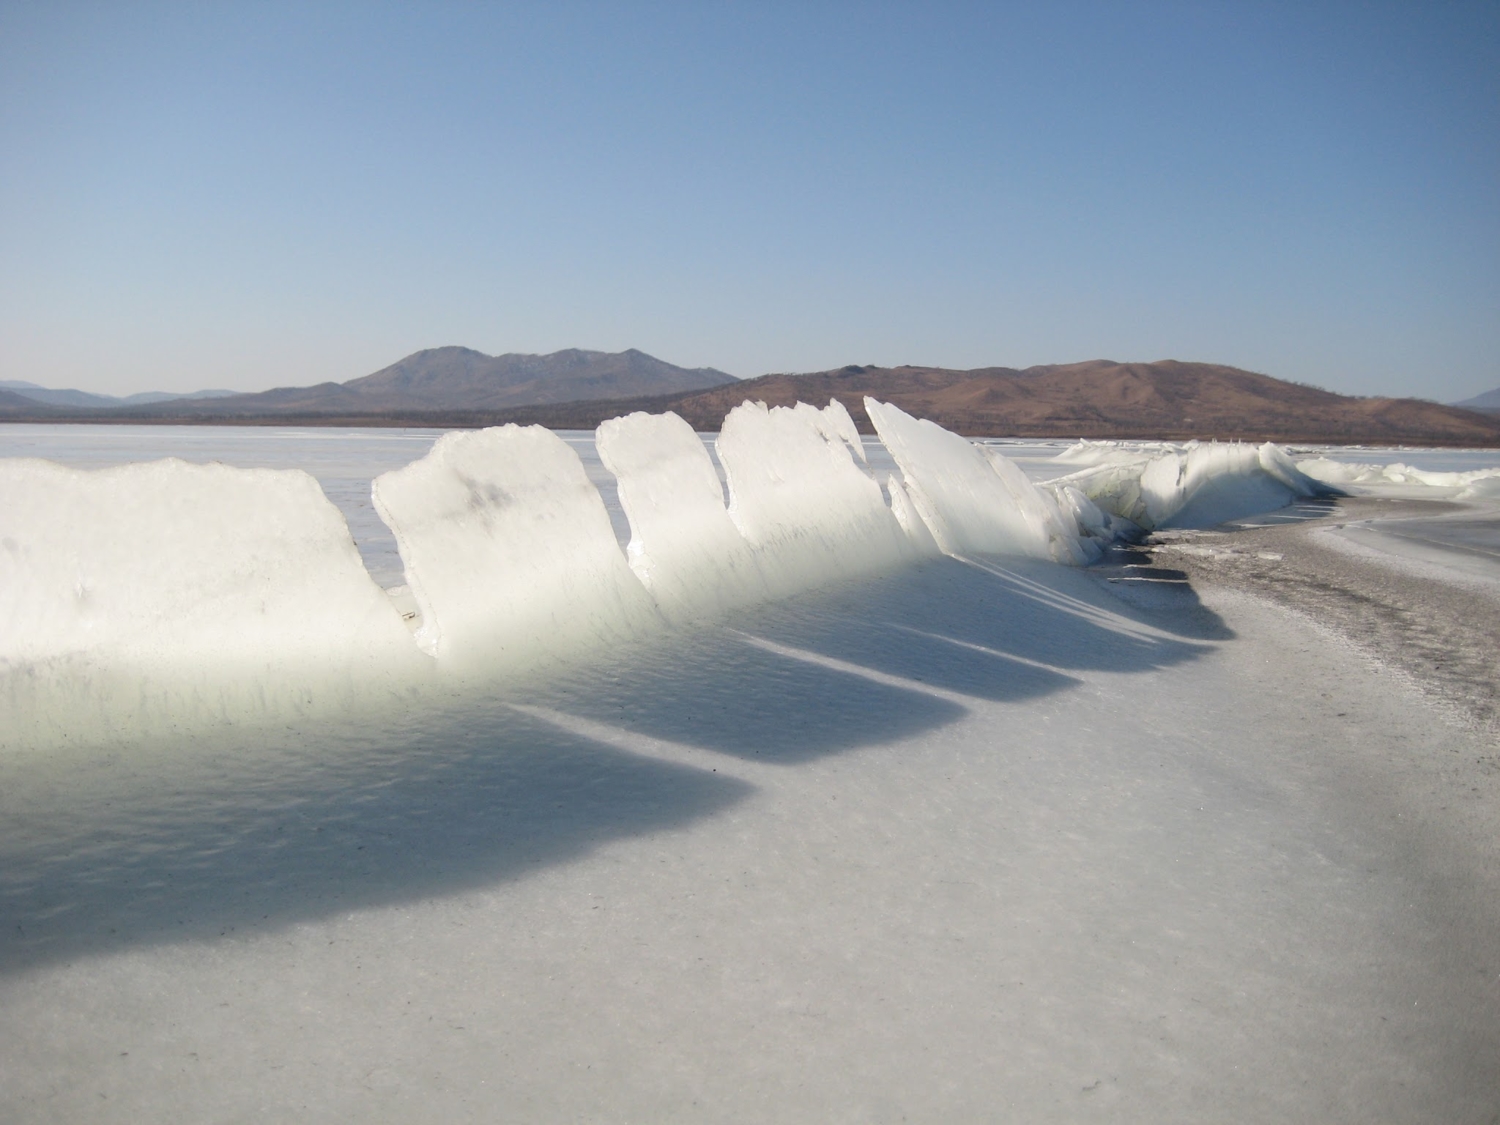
(166, 593)
(1198, 485)
(683, 546)
(810, 512)
(509, 551)
(972, 499)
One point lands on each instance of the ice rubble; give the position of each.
(1195, 485)
(249, 579)
(1476, 484)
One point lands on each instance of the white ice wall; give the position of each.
(509, 551)
(973, 500)
(170, 593)
(1474, 484)
(808, 509)
(168, 562)
(1200, 485)
(683, 546)
(167, 591)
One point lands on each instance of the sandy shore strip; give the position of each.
(1413, 584)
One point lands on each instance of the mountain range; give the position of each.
(1106, 399)
(91, 401)
(1489, 401)
(435, 379)
(575, 389)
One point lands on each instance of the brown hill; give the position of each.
(1095, 399)
(451, 379)
(1104, 399)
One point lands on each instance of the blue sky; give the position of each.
(252, 195)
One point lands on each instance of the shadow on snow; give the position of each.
(108, 848)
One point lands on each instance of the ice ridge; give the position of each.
(1200, 484)
(1475, 484)
(167, 594)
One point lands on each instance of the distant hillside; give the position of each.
(17, 407)
(445, 378)
(452, 378)
(455, 387)
(1105, 399)
(1489, 401)
(89, 401)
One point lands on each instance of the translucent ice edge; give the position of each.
(168, 596)
(1195, 484)
(1476, 484)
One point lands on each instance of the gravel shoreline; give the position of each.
(1439, 635)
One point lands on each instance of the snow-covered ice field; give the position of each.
(813, 822)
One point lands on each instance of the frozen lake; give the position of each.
(971, 840)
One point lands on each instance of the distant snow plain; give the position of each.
(979, 839)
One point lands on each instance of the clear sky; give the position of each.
(259, 194)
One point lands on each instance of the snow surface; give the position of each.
(964, 838)
(921, 846)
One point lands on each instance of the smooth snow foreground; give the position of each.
(945, 838)
(961, 843)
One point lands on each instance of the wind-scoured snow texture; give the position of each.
(509, 551)
(1198, 485)
(972, 499)
(1476, 484)
(683, 545)
(810, 513)
(167, 593)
